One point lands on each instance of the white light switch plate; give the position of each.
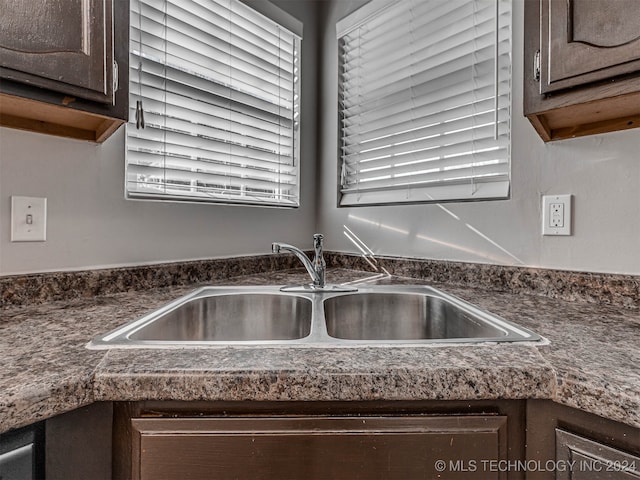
(556, 215)
(28, 219)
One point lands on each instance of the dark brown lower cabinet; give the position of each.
(318, 448)
(386, 440)
(590, 460)
(78, 444)
(568, 444)
(448, 440)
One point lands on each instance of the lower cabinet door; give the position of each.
(586, 459)
(407, 448)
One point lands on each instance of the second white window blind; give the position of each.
(424, 92)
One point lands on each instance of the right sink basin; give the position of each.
(410, 316)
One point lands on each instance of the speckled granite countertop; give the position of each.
(592, 363)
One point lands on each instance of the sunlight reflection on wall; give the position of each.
(495, 253)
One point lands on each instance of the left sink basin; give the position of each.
(204, 318)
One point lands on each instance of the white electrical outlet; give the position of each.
(28, 219)
(556, 215)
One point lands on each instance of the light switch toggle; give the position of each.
(28, 219)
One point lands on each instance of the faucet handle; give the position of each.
(317, 240)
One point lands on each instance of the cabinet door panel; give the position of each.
(319, 448)
(62, 45)
(593, 460)
(588, 41)
(604, 27)
(30, 30)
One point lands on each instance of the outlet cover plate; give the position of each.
(28, 219)
(556, 215)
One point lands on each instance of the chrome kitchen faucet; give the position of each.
(316, 268)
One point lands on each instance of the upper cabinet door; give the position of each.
(590, 40)
(62, 45)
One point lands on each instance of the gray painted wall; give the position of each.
(90, 224)
(602, 172)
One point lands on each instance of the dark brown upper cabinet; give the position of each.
(61, 45)
(582, 66)
(589, 41)
(64, 66)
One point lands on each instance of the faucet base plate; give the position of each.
(310, 288)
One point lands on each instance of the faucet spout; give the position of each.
(316, 269)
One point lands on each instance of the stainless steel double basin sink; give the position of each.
(373, 315)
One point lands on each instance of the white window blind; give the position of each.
(216, 86)
(424, 101)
